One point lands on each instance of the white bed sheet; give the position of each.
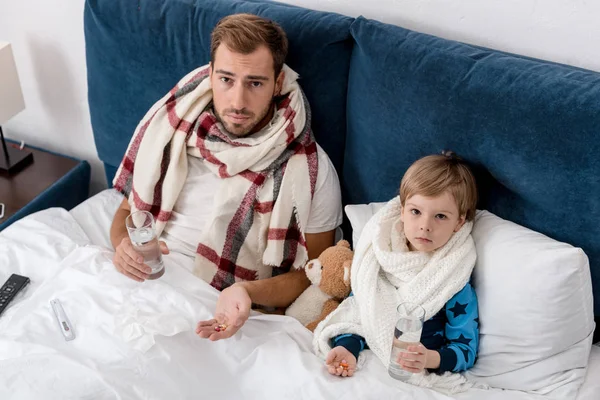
(136, 341)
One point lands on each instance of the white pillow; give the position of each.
(535, 306)
(359, 215)
(536, 309)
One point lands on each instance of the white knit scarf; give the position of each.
(384, 274)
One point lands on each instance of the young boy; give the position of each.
(418, 248)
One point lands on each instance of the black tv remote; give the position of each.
(11, 287)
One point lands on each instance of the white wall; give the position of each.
(48, 43)
(565, 31)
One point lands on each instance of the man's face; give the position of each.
(429, 222)
(243, 88)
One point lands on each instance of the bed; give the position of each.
(381, 97)
(136, 341)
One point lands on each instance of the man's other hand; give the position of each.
(232, 311)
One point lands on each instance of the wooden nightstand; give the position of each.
(52, 180)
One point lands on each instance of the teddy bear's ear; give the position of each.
(302, 267)
(347, 265)
(343, 243)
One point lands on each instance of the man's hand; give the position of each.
(131, 263)
(340, 362)
(233, 309)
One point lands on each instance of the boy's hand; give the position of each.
(340, 362)
(414, 359)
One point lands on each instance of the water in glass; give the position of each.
(407, 332)
(145, 242)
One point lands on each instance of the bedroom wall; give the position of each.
(48, 43)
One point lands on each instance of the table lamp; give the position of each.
(12, 159)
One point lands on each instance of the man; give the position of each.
(227, 164)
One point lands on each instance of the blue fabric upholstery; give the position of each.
(381, 97)
(137, 51)
(110, 172)
(529, 128)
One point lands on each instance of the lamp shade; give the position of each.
(11, 96)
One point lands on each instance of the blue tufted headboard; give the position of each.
(137, 51)
(529, 128)
(381, 97)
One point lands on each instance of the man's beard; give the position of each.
(231, 130)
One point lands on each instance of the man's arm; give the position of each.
(118, 231)
(233, 306)
(282, 290)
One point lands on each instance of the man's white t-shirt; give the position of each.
(194, 206)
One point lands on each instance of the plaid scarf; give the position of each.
(268, 179)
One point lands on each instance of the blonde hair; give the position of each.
(244, 33)
(433, 175)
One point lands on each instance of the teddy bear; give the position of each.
(330, 278)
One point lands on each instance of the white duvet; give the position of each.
(136, 341)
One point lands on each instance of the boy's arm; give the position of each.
(351, 342)
(461, 332)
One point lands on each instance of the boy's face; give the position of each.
(429, 222)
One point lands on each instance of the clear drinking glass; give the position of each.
(140, 226)
(406, 333)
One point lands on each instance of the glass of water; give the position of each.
(406, 333)
(140, 226)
